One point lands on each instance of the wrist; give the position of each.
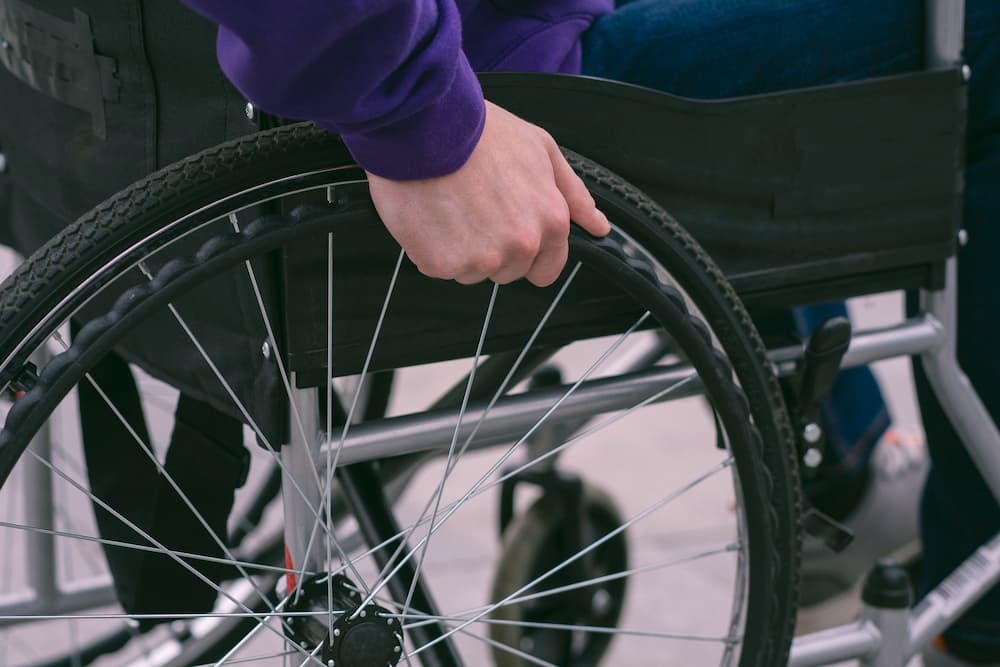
(435, 141)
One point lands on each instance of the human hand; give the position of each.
(504, 215)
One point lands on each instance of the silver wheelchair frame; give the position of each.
(890, 637)
(880, 638)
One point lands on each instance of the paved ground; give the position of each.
(654, 454)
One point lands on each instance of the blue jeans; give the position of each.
(723, 48)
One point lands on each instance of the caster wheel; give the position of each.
(544, 624)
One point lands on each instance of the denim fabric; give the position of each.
(723, 48)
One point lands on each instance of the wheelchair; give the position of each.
(570, 420)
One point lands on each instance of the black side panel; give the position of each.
(428, 320)
(68, 145)
(139, 89)
(800, 196)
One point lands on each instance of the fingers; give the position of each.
(521, 254)
(504, 215)
(549, 263)
(540, 260)
(582, 209)
(535, 246)
(521, 249)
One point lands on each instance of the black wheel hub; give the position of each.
(367, 636)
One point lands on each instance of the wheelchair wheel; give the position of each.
(271, 242)
(550, 531)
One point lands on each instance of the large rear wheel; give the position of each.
(250, 274)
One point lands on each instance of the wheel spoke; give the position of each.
(74, 635)
(739, 584)
(212, 366)
(250, 635)
(77, 545)
(656, 397)
(146, 536)
(501, 646)
(603, 579)
(312, 656)
(325, 497)
(451, 460)
(596, 428)
(272, 341)
(596, 629)
(451, 620)
(243, 661)
(238, 403)
(513, 448)
(482, 418)
(617, 531)
(222, 380)
(142, 547)
(285, 380)
(178, 616)
(328, 505)
(148, 450)
(538, 424)
(520, 358)
(6, 638)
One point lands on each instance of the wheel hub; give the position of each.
(366, 638)
(361, 636)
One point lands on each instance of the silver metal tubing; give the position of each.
(39, 512)
(914, 336)
(954, 392)
(945, 31)
(649, 348)
(847, 642)
(890, 637)
(892, 626)
(512, 416)
(911, 337)
(959, 591)
(97, 593)
(301, 461)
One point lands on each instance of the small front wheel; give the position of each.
(549, 532)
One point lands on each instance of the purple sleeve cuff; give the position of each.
(434, 141)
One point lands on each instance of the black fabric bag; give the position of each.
(159, 97)
(94, 95)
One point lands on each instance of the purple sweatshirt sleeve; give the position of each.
(388, 75)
